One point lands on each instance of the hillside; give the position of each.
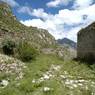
(11, 28)
(67, 42)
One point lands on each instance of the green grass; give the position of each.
(42, 64)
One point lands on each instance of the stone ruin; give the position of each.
(86, 43)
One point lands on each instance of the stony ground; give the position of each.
(47, 75)
(10, 69)
(67, 80)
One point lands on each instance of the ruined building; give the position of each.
(86, 43)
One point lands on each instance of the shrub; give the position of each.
(8, 47)
(26, 52)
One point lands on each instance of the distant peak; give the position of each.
(68, 42)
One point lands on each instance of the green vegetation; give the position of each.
(72, 71)
(23, 50)
(8, 47)
(26, 52)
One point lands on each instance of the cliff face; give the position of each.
(86, 42)
(11, 28)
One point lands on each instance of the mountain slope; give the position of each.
(67, 42)
(11, 28)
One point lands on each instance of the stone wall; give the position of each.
(86, 43)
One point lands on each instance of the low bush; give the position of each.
(21, 50)
(8, 47)
(26, 52)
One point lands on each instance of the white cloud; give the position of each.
(40, 13)
(12, 3)
(56, 3)
(33, 12)
(82, 3)
(35, 22)
(69, 16)
(25, 9)
(72, 34)
(77, 3)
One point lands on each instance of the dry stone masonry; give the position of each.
(86, 43)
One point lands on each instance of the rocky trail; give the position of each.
(68, 81)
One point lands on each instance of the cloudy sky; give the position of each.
(62, 18)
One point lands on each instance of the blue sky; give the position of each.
(62, 18)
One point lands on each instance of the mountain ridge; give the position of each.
(67, 42)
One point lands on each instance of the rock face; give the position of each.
(86, 43)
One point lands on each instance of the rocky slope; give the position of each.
(11, 28)
(11, 69)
